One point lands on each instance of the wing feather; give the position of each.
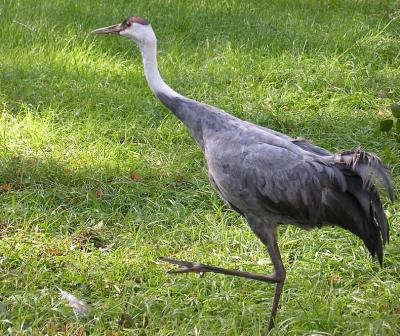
(290, 183)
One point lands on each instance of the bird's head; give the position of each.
(135, 27)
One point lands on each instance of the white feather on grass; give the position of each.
(80, 307)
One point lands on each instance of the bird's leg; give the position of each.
(192, 267)
(268, 237)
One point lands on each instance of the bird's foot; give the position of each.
(186, 266)
(191, 267)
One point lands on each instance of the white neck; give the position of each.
(156, 83)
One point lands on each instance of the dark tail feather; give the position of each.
(360, 207)
(379, 215)
(370, 204)
(344, 210)
(374, 245)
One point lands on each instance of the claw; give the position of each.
(186, 266)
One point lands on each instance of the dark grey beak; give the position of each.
(115, 29)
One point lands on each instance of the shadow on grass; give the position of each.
(75, 196)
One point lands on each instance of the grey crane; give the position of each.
(268, 177)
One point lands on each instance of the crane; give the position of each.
(271, 178)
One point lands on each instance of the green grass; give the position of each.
(77, 119)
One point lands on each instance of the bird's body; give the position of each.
(271, 178)
(263, 173)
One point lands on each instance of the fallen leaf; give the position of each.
(80, 307)
(135, 176)
(55, 252)
(98, 193)
(5, 187)
(285, 109)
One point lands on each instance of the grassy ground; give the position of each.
(98, 179)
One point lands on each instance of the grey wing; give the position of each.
(302, 143)
(299, 142)
(290, 184)
(269, 131)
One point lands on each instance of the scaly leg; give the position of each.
(268, 237)
(192, 267)
(280, 273)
